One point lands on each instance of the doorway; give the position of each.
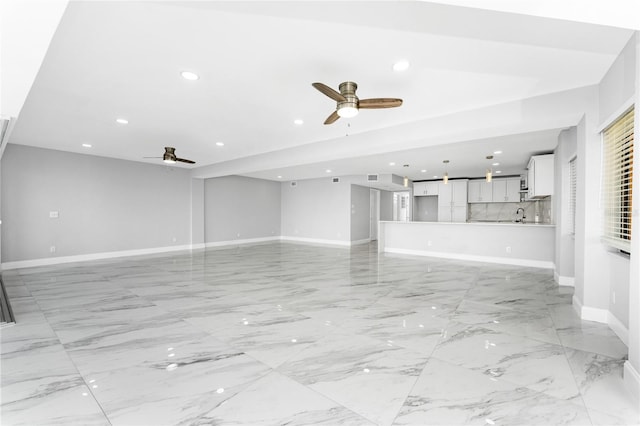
(401, 206)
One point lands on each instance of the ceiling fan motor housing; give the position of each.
(169, 154)
(348, 108)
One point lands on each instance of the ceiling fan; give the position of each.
(348, 103)
(169, 156)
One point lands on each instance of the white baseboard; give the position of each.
(577, 305)
(93, 256)
(474, 258)
(594, 314)
(632, 382)
(616, 325)
(240, 242)
(564, 281)
(198, 246)
(588, 313)
(358, 242)
(316, 241)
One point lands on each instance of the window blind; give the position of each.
(573, 180)
(617, 181)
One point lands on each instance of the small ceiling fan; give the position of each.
(169, 156)
(348, 103)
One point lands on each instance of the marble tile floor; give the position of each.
(291, 334)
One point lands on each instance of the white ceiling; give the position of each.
(257, 60)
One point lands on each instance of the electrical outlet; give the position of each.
(238, 235)
(52, 249)
(508, 249)
(429, 243)
(54, 215)
(613, 297)
(174, 239)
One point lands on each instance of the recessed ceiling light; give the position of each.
(219, 143)
(122, 121)
(86, 145)
(328, 170)
(423, 171)
(188, 75)
(401, 66)
(498, 172)
(495, 164)
(298, 122)
(392, 163)
(279, 177)
(435, 176)
(497, 152)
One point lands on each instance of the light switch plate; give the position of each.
(53, 215)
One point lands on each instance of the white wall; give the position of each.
(241, 208)
(360, 213)
(618, 266)
(317, 210)
(104, 205)
(565, 239)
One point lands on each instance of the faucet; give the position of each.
(521, 219)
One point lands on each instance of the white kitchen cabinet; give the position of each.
(540, 176)
(425, 188)
(452, 201)
(480, 191)
(506, 190)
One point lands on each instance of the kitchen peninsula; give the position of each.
(495, 242)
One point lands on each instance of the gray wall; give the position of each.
(197, 211)
(360, 213)
(386, 205)
(104, 204)
(239, 208)
(615, 90)
(316, 209)
(426, 209)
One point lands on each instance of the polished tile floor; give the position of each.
(287, 334)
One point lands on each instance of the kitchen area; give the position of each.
(492, 219)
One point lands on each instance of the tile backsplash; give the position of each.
(505, 212)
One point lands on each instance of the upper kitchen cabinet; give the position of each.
(480, 191)
(425, 188)
(506, 190)
(540, 176)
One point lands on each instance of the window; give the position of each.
(617, 181)
(572, 195)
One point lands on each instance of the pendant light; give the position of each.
(406, 178)
(445, 177)
(489, 172)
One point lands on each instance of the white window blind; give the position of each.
(617, 181)
(573, 180)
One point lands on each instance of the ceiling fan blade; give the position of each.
(380, 103)
(329, 92)
(332, 118)
(183, 160)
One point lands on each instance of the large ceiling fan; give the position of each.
(169, 156)
(348, 103)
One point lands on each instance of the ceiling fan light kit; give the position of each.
(348, 104)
